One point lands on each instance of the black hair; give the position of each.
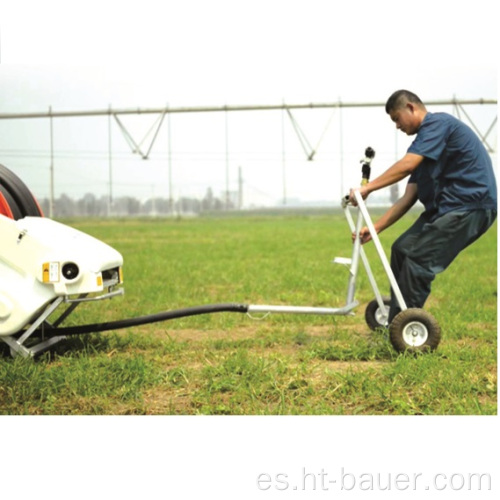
(400, 98)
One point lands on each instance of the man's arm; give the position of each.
(397, 172)
(394, 213)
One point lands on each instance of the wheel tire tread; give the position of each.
(371, 310)
(17, 194)
(414, 314)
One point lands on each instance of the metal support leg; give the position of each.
(366, 264)
(380, 251)
(17, 346)
(353, 272)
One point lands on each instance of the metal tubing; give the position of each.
(97, 298)
(48, 311)
(204, 109)
(366, 264)
(302, 309)
(353, 274)
(380, 251)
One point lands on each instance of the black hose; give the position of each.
(143, 320)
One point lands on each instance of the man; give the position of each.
(451, 174)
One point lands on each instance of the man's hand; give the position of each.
(364, 235)
(362, 190)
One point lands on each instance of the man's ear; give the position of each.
(411, 106)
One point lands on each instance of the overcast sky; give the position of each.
(75, 55)
(195, 52)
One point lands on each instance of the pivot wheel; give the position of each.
(414, 330)
(375, 316)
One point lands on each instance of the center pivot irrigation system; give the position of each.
(45, 266)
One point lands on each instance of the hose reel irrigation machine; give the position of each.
(47, 269)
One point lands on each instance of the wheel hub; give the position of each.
(415, 334)
(381, 316)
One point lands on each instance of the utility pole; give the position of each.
(51, 201)
(240, 188)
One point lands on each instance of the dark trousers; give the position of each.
(428, 248)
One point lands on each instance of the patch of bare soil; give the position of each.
(246, 332)
(168, 400)
(239, 333)
(160, 401)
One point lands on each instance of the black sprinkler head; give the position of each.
(370, 153)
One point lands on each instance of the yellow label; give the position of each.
(45, 272)
(50, 272)
(99, 280)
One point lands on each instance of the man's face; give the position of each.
(405, 119)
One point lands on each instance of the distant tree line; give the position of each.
(92, 206)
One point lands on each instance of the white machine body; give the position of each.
(41, 260)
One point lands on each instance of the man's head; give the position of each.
(406, 110)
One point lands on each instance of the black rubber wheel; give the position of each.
(374, 316)
(21, 197)
(8, 206)
(414, 330)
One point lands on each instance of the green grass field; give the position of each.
(229, 363)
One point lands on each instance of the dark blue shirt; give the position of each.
(456, 172)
